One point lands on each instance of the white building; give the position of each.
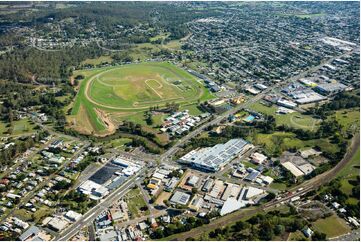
(258, 158)
(72, 216)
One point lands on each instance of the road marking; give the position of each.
(89, 216)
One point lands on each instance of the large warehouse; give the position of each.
(215, 158)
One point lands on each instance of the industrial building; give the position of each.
(192, 181)
(208, 185)
(215, 158)
(330, 88)
(293, 169)
(258, 158)
(181, 198)
(286, 103)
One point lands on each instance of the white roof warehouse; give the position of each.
(214, 158)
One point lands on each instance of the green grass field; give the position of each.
(295, 119)
(332, 226)
(127, 91)
(143, 85)
(286, 140)
(296, 236)
(22, 126)
(97, 61)
(135, 202)
(352, 169)
(348, 118)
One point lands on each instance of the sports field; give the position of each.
(128, 90)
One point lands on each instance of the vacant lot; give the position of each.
(332, 226)
(136, 204)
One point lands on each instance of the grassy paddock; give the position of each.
(332, 226)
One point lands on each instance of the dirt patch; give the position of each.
(80, 122)
(107, 121)
(163, 196)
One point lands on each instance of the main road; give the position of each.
(89, 216)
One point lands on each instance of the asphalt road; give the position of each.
(166, 155)
(89, 216)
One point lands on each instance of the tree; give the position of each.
(62, 185)
(158, 234)
(279, 229)
(318, 236)
(194, 190)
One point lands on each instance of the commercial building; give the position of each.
(121, 162)
(309, 152)
(252, 90)
(30, 233)
(231, 205)
(215, 158)
(258, 158)
(171, 184)
(73, 216)
(208, 185)
(252, 176)
(292, 168)
(94, 190)
(260, 86)
(304, 95)
(306, 168)
(181, 198)
(217, 189)
(286, 103)
(232, 190)
(57, 224)
(196, 203)
(330, 88)
(192, 181)
(307, 82)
